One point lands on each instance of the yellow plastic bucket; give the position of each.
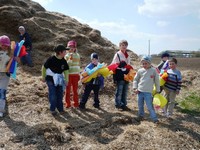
(159, 101)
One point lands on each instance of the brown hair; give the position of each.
(123, 42)
(173, 60)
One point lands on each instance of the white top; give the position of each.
(4, 58)
(122, 58)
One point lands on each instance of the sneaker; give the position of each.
(125, 108)
(62, 112)
(53, 113)
(139, 118)
(67, 106)
(156, 122)
(81, 106)
(96, 106)
(1, 114)
(76, 105)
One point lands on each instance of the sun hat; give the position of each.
(71, 43)
(146, 58)
(4, 40)
(94, 55)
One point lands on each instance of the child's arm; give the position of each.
(66, 75)
(135, 83)
(43, 73)
(157, 82)
(179, 82)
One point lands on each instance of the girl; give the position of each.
(4, 75)
(73, 59)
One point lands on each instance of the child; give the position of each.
(28, 44)
(52, 73)
(4, 76)
(143, 83)
(94, 84)
(164, 58)
(73, 60)
(172, 86)
(123, 59)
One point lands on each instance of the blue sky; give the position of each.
(162, 24)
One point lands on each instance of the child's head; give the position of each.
(123, 44)
(4, 42)
(172, 63)
(165, 56)
(146, 62)
(60, 50)
(21, 30)
(72, 45)
(94, 58)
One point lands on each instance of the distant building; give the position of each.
(179, 53)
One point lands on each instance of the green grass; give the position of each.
(190, 104)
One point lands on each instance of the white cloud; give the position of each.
(162, 23)
(169, 7)
(43, 2)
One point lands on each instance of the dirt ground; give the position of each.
(29, 125)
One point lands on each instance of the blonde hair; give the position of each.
(123, 42)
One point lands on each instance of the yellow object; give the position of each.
(162, 81)
(130, 76)
(164, 76)
(154, 90)
(104, 71)
(84, 74)
(159, 101)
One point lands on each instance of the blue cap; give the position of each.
(146, 58)
(94, 55)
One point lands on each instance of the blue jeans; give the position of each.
(147, 97)
(2, 100)
(27, 59)
(55, 96)
(121, 94)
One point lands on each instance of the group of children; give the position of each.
(61, 72)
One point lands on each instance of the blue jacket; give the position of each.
(27, 39)
(98, 80)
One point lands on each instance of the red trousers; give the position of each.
(73, 82)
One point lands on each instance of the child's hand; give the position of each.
(98, 75)
(66, 83)
(43, 80)
(136, 91)
(17, 59)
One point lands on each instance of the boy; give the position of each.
(172, 86)
(143, 83)
(164, 58)
(122, 58)
(94, 84)
(73, 60)
(52, 73)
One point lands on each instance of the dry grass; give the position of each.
(184, 63)
(30, 126)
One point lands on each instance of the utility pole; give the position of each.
(149, 49)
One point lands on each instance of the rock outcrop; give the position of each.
(50, 28)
